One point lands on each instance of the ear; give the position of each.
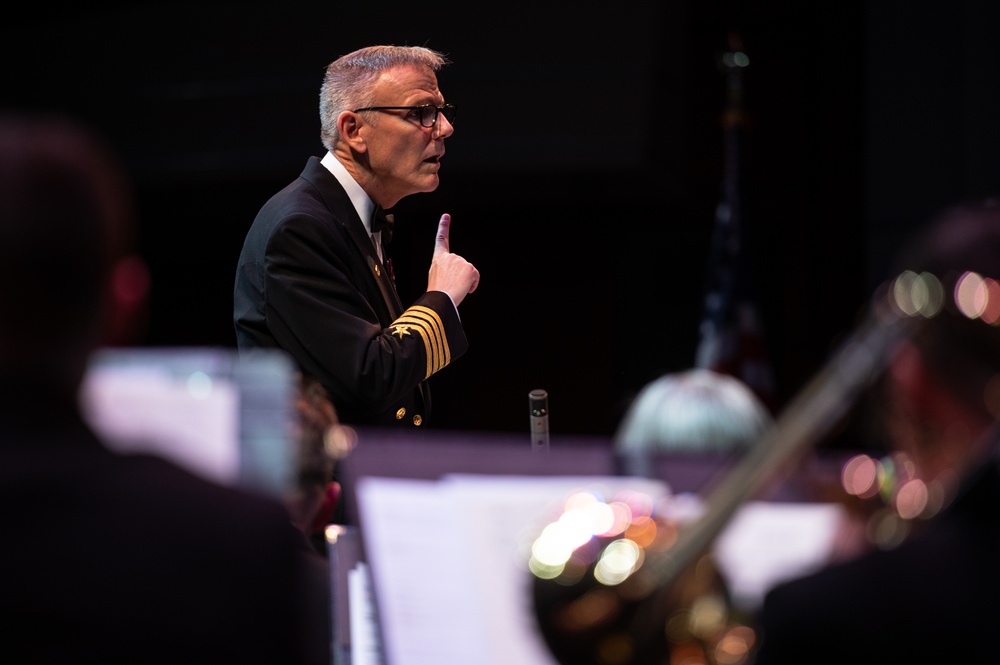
(128, 296)
(325, 512)
(350, 124)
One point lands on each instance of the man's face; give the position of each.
(404, 157)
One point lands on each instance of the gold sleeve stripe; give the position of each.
(438, 353)
(435, 329)
(428, 324)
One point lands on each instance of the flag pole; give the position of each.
(731, 336)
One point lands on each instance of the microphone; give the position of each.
(538, 411)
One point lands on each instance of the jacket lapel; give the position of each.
(340, 205)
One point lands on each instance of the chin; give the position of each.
(431, 184)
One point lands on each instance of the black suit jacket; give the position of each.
(933, 599)
(309, 281)
(112, 558)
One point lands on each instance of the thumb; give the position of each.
(441, 240)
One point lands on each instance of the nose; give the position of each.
(442, 128)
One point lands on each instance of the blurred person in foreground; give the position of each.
(109, 558)
(930, 596)
(314, 277)
(322, 441)
(314, 501)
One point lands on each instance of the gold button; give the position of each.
(417, 420)
(378, 271)
(401, 413)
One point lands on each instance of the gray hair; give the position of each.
(348, 82)
(694, 410)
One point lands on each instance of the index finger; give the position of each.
(444, 228)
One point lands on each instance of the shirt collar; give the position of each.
(362, 203)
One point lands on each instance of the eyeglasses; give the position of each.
(428, 113)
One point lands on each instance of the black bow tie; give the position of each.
(382, 222)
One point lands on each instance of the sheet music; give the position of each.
(449, 563)
(137, 410)
(420, 575)
(766, 543)
(365, 642)
(222, 415)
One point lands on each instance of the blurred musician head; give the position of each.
(930, 594)
(943, 390)
(696, 410)
(70, 279)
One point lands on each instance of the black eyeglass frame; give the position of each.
(448, 111)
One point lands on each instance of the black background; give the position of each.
(583, 174)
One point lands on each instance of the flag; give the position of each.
(731, 334)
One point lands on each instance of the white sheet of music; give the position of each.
(365, 646)
(448, 561)
(420, 578)
(766, 543)
(138, 411)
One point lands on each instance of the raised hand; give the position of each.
(450, 272)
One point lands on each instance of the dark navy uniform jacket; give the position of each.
(310, 281)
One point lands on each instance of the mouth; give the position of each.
(434, 159)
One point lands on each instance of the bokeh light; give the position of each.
(735, 645)
(861, 476)
(911, 499)
(914, 294)
(991, 312)
(622, 517)
(886, 530)
(602, 518)
(619, 559)
(566, 547)
(642, 531)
